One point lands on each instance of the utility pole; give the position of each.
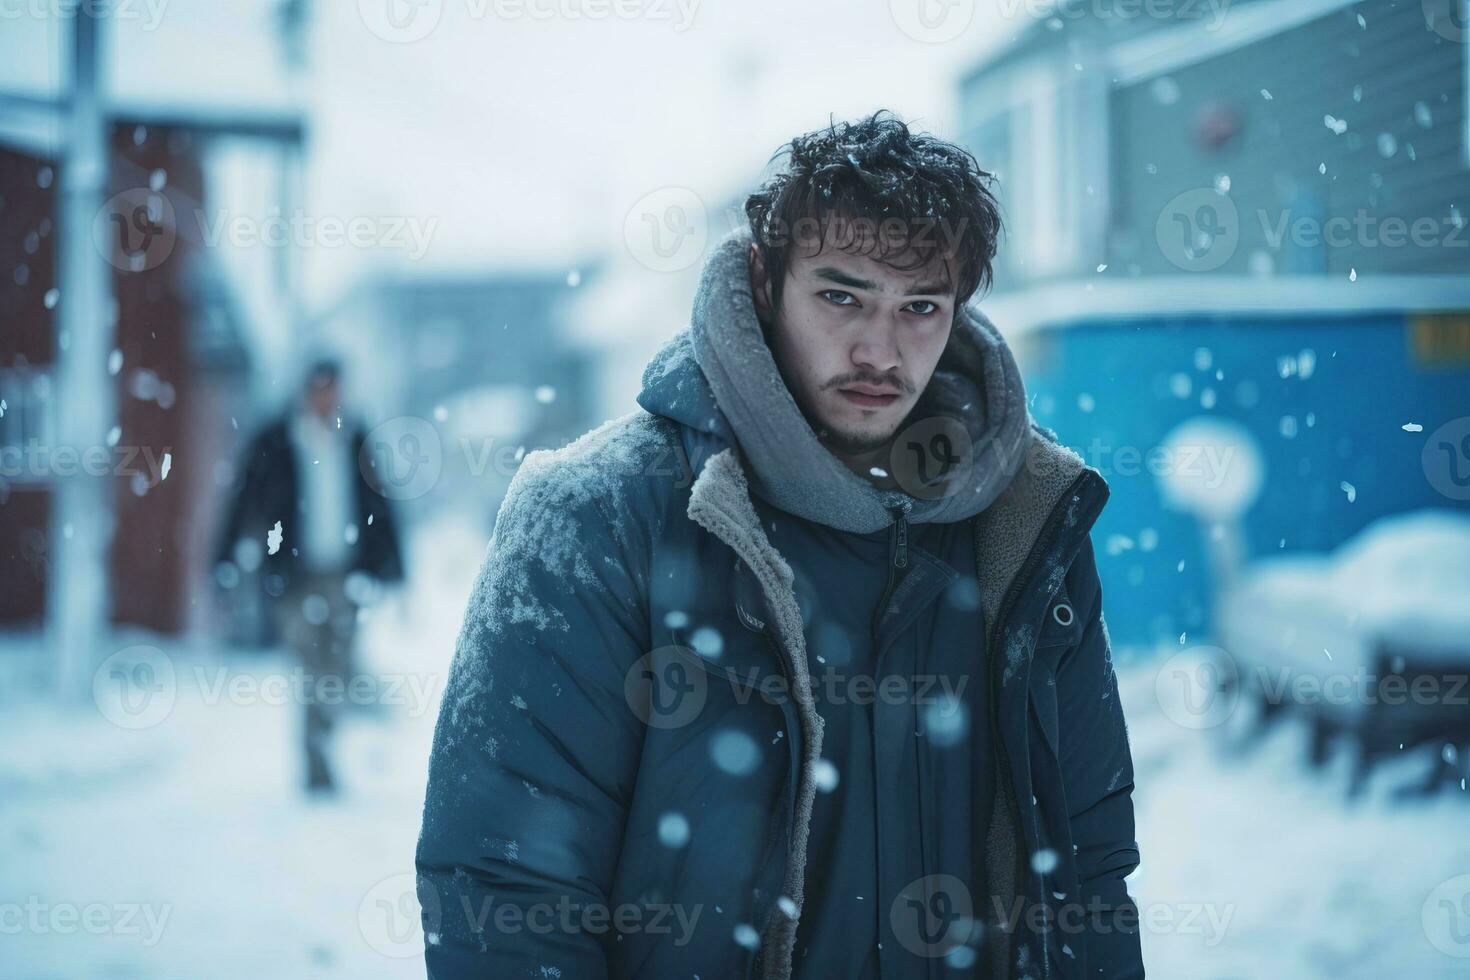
(78, 606)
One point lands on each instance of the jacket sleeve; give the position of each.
(380, 541)
(536, 749)
(244, 499)
(1097, 770)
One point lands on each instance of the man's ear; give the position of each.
(760, 284)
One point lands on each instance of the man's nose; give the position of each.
(876, 348)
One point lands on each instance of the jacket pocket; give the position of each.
(1059, 631)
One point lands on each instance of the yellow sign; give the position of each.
(1440, 339)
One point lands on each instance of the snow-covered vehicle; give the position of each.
(1370, 641)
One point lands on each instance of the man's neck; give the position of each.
(870, 464)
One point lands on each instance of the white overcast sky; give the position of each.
(527, 139)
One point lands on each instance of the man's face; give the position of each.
(323, 398)
(856, 339)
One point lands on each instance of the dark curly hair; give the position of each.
(874, 186)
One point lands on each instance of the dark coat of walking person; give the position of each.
(313, 510)
(799, 669)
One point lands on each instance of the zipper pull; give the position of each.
(901, 556)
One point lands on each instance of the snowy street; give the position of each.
(186, 850)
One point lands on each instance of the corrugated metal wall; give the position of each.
(1398, 86)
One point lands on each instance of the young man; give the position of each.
(799, 670)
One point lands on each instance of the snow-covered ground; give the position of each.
(184, 849)
(1255, 866)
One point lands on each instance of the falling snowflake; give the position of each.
(673, 830)
(273, 539)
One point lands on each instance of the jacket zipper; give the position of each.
(1043, 544)
(898, 557)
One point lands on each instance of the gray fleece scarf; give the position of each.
(976, 386)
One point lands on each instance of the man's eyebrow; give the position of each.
(841, 278)
(836, 275)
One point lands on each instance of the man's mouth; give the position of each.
(869, 396)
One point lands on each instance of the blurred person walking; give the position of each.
(330, 534)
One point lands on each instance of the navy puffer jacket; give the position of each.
(581, 713)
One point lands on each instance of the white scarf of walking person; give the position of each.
(325, 484)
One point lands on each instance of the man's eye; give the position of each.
(923, 307)
(837, 297)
